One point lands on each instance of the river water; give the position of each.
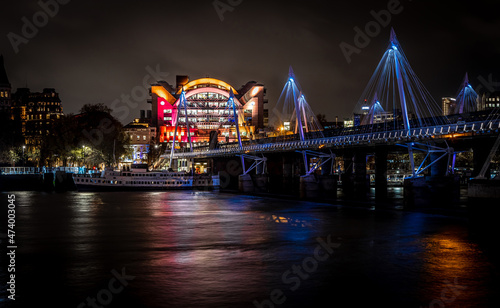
(209, 249)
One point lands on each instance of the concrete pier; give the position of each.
(381, 173)
(245, 183)
(484, 189)
(318, 186)
(361, 182)
(253, 183)
(436, 189)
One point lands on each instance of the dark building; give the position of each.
(5, 88)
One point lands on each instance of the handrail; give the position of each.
(397, 135)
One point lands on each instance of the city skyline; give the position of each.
(99, 56)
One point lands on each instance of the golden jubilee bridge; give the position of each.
(397, 114)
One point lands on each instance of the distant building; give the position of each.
(449, 105)
(333, 125)
(5, 88)
(36, 111)
(207, 109)
(348, 123)
(357, 119)
(490, 100)
(142, 137)
(383, 117)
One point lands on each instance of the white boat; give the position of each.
(141, 179)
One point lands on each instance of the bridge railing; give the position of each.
(393, 136)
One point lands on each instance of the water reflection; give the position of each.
(451, 270)
(204, 249)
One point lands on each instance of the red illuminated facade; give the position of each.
(207, 110)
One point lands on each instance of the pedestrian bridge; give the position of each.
(436, 133)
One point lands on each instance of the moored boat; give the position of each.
(142, 179)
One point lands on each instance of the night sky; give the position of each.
(97, 51)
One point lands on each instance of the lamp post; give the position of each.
(83, 155)
(24, 163)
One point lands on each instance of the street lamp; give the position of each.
(24, 147)
(83, 155)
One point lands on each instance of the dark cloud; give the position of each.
(95, 51)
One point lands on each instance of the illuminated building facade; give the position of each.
(207, 110)
(36, 111)
(449, 105)
(5, 88)
(142, 137)
(373, 114)
(491, 100)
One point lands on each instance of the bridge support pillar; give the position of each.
(318, 186)
(261, 183)
(381, 173)
(326, 169)
(347, 178)
(440, 189)
(258, 183)
(438, 169)
(245, 183)
(288, 173)
(480, 153)
(259, 169)
(309, 186)
(361, 183)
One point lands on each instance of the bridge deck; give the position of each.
(386, 137)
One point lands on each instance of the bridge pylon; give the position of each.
(182, 106)
(396, 92)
